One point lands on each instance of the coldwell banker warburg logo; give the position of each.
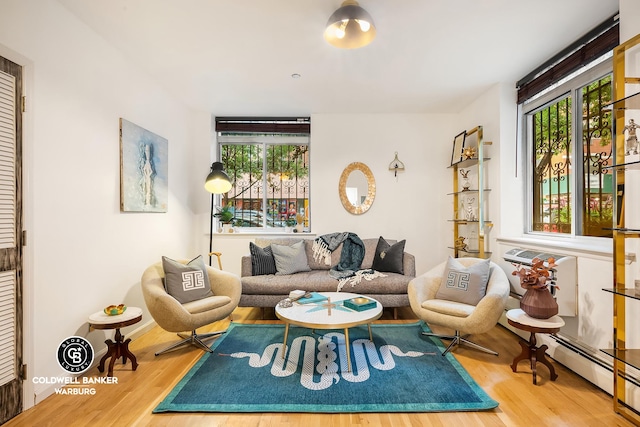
(75, 355)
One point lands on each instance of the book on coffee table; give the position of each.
(315, 297)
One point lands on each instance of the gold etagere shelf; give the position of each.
(480, 224)
(623, 357)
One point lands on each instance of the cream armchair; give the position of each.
(462, 318)
(173, 316)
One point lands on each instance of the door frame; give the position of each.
(28, 351)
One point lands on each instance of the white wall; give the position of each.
(413, 206)
(82, 253)
(495, 112)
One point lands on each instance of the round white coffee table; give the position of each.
(329, 314)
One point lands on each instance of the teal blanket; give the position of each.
(351, 256)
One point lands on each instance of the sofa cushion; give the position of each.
(314, 280)
(370, 246)
(389, 257)
(450, 308)
(207, 304)
(466, 285)
(186, 282)
(320, 281)
(319, 263)
(314, 264)
(290, 259)
(262, 261)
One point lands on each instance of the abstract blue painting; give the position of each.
(144, 168)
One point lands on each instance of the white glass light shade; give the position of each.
(350, 27)
(218, 181)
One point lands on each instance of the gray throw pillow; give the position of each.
(262, 261)
(290, 259)
(467, 285)
(389, 258)
(186, 282)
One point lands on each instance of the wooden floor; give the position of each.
(569, 401)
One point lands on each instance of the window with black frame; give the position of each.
(567, 132)
(267, 160)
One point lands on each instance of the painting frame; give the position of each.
(458, 146)
(144, 168)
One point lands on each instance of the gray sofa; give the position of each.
(267, 290)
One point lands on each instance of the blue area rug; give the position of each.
(401, 371)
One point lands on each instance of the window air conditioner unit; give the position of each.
(564, 275)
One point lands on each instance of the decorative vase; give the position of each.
(539, 303)
(226, 228)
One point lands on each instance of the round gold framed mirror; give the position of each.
(357, 188)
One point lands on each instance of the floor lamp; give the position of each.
(217, 182)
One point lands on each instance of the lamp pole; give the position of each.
(217, 182)
(211, 231)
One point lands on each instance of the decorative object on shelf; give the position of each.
(350, 27)
(470, 213)
(458, 145)
(473, 239)
(632, 140)
(396, 165)
(469, 153)
(465, 179)
(459, 244)
(144, 169)
(217, 182)
(114, 310)
(537, 301)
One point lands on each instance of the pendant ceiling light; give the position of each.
(350, 27)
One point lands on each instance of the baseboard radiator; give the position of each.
(590, 363)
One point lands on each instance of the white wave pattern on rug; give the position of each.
(326, 357)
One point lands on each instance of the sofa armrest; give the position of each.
(409, 265)
(245, 266)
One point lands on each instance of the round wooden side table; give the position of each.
(519, 319)
(119, 347)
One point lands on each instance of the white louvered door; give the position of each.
(10, 241)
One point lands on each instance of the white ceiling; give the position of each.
(236, 57)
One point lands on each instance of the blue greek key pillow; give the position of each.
(467, 285)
